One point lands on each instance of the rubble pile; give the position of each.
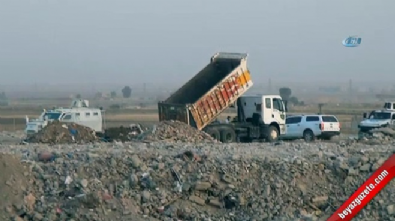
(60, 133)
(382, 135)
(159, 181)
(178, 131)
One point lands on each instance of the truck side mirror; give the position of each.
(364, 115)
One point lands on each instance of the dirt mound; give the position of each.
(14, 184)
(178, 131)
(59, 133)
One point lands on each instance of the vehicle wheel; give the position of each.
(228, 136)
(272, 135)
(214, 133)
(308, 136)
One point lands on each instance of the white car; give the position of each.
(310, 127)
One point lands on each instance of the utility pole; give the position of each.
(320, 105)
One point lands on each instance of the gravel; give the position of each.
(175, 172)
(189, 181)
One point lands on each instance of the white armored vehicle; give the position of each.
(379, 118)
(79, 112)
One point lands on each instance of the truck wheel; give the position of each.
(228, 136)
(272, 134)
(308, 136)
(214, 133)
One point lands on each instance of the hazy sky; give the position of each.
(120, 41)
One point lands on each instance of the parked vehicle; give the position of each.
(215, 88)
(310, 127)
(79, 112)
(377, 119)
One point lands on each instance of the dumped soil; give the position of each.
(123, 134)
(14, 184)
(60, 133)
(173, 131)
(178, 131)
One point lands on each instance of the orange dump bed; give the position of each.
(210, 92)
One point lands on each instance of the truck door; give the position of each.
(267, 111)
(278, 114)
(278, 111)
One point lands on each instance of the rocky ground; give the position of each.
(186, 181)
(177, 173)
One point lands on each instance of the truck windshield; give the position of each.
(278, 104)
(381, 116)
(52, 116)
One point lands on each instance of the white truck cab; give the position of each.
(377, 119)
(79, 112)
(271, 108)
(266, 111)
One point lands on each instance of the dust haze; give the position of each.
(58, 48)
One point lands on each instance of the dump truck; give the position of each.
(219, 85)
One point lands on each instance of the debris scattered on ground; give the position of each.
(123, 134)
(186, 181)
(61, 133)
(178, 131)
(175, 131)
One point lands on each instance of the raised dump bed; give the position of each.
(218, 85)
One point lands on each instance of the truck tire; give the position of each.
(308, 135)
(214, 133)
(273, 134)
(228, 136)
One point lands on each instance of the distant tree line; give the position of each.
(126, 93)
(286, 95)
